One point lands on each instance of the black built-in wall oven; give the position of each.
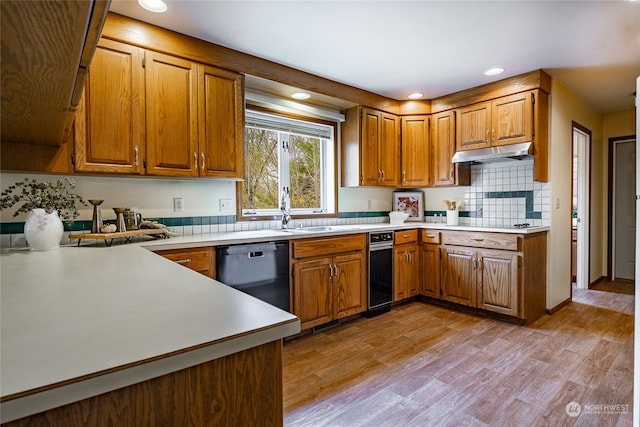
(380, 280)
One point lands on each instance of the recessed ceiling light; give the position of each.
(493, 71)
(415, 96)
(157, 6)
(300, 95)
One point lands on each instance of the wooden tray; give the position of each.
(108, 237)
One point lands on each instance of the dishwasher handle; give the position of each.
(253, 248)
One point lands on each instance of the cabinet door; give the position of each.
(458, 282)
(430, 271)
(498, 282)
(349, 285)
(443, 144)
(389, 150)
(473, 126)
(109, 127)
(312, 297)
(370, 134)
(221, 123)
(511, 119)
(415, 170)
(171, 112)
(405, 272)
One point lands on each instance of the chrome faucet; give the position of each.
(286, 217)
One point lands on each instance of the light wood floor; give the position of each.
(422, 365)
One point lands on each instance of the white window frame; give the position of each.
(328, 162)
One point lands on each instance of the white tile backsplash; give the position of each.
(503, 194)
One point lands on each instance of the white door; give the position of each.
(582, 142)
(636, 344)
(624, 210)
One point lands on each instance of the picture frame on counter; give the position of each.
(410, 202)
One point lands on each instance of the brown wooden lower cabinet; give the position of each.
(406, 266)
(329, 278)
(501, 273)
(241, 389)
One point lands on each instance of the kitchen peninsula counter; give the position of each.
(81, 321)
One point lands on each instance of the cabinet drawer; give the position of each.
(320, 246)
(483, 240)
(430, 236)
(200, 260)
(405, 236)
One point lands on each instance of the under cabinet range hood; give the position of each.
(519, 151)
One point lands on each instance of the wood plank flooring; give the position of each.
(421, 365)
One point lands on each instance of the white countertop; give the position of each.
(236, 237)
(72, 313)
(77, 321)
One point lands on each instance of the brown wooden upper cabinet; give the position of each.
(370, 148)
(506, 120)
(414, 157)
(443, 144)
(109, 126)
(149, 113)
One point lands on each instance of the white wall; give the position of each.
(152, 196)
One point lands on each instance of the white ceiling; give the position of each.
(393, 48)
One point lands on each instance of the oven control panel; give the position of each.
(385, 236)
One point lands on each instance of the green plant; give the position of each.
(49, 196)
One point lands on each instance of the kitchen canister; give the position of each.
(452, 217)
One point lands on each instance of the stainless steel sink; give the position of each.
(319, 228)
(307, 229)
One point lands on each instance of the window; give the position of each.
(288, 158)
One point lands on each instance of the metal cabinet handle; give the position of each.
(474, 264)
(183, 261)
(480, 264)
(451, 172)
(202, 156)
(404, 176)
(486, 136)
(383, 174)
(195, 159)
(431, 236)
(477, 239)
(337, 270)
(493, 134)
(135, 157)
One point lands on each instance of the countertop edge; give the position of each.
(58, 396)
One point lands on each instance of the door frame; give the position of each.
(583, 254)
(611, 211)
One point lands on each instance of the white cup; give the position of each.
(452, 217)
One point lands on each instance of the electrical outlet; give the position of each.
(557, 202)
(178, 204)
(225, 205)
(369, 204)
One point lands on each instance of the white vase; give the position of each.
(452, 217)
(43, 230)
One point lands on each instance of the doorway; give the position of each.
(622, 210)
(580, 189)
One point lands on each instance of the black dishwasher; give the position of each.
(258, 269)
